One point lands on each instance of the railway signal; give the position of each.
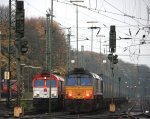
(20, 19)
(113, 58)
(112, 39)
(110, 56)
(24, 46)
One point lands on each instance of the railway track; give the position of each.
(137, 112)
(134, 112)
(6, 112)
(64, 115)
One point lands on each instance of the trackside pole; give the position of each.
(113, 60)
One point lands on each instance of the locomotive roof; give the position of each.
(96, 76)
(59, 77)
(83, 71)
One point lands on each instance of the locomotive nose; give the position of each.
(45, 89)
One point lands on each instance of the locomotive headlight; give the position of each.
(54, 95)
(146, 112)
(88, 94)
(36, 94)
(69, 94)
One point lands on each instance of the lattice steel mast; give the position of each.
(12, 9)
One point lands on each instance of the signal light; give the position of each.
(24, 46)
(110, 56)
(113, 58)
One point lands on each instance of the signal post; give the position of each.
(21, 48)
(113, 60)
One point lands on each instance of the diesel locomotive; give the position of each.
(86, 91)
(83, 91)
(42, 83)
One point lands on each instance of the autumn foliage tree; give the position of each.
(35, 32)
(4, 55)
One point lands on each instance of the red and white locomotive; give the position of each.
(41, 91)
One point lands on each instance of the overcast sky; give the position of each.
(129, 17)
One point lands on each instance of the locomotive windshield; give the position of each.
(83, 80)
(53, 83)
(39, 83)
(72, 80)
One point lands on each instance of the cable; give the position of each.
(114, 7)
(121, 11)
(115, 19)
(44, 13)
(33, 7)
(89, 8)
(146, 4)
(98, 11)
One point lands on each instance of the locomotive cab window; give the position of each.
(71, 80)
(39, 83)
(85, 80)
(53, 83)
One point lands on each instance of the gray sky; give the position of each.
(125, 14)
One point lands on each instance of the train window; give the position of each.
(53, 83)
(39, 83)
(72, 81)
(85, 81)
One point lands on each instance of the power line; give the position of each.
(34, 7)
(98, 11)
(124, 14)
(146, 4)
(114, 6)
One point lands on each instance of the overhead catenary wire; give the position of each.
(146, 4)
(105, 11)
(93, 10)
(98, 11)
(114, 18)
(34, 7)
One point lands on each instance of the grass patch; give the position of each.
(27, 95)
